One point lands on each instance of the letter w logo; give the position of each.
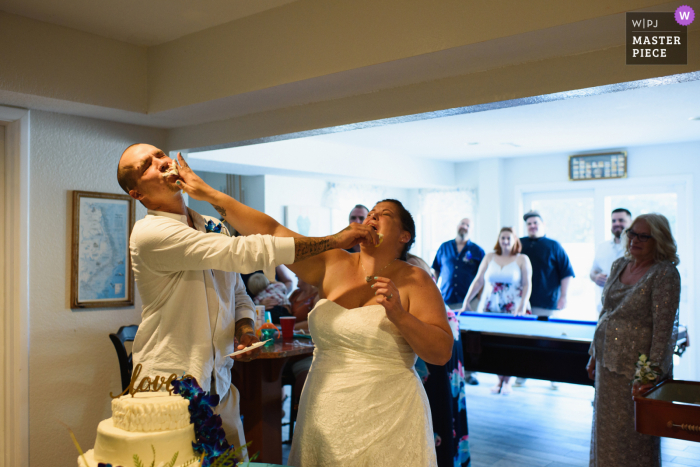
(685, 15)
(637, 23)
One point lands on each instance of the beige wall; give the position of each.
(72, 363)
(311, 38)
(42, 59)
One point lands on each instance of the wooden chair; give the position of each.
(126, 363)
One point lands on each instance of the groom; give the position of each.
(187, 269)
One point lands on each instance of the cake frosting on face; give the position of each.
(148, 419)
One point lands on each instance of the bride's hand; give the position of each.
(190, 182)
(388, 296)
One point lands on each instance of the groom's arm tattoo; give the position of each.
(306, 247)
(220, 210)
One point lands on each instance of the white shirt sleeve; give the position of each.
(166, 245)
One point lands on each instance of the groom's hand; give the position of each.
(245, 340)
(244, 337)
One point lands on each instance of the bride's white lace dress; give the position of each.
(363, 403)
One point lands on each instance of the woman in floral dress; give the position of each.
(446, 389)
(509, 275)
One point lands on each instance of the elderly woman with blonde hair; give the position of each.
(639, 316)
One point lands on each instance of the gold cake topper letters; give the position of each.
(146, 384)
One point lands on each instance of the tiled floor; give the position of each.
(539, 427)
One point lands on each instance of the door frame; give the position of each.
(14, 389)
(685, 242)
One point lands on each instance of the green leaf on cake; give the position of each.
(137, 461)
(153, 448)
(172, 461)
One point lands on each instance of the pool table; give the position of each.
(553, 350)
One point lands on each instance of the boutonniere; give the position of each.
(212, 227)
(467, 257)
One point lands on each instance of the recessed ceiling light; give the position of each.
(695, 118)
(472, 144)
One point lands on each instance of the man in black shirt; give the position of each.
(551, 268)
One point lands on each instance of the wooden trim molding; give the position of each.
(15, 342)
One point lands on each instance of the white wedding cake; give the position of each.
(147, 419)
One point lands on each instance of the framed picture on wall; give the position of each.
(101, 273)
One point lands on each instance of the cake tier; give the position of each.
(117, 447)
(91, 462)
(150, 411)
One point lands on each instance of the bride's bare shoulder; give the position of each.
(414, 274)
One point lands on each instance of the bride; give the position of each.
(362, 403)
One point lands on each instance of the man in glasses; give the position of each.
(607, 252)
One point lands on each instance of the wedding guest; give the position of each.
(551, 268)
(303, 300)
(285, 276)
(273, 295)
(456, 264)
(445, 386)
(639, 316)
(357, 215)
(607, 252)
(508, 274)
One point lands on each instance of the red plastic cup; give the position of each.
(287, 323)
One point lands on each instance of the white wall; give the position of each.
(72, 363)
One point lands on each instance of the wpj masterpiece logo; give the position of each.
(658, 38)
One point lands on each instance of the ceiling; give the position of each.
(644, 116)
(139, 22)
(423, 152)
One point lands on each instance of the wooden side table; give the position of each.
(260, 385)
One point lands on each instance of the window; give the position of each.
(440, 212)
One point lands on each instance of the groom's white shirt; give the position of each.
(192, 295)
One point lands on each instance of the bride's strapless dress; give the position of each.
(363, 403)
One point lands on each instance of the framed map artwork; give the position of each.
(101, 273)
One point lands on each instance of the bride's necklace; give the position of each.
(369, 278)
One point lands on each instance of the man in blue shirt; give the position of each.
(456, 264)
(551, 268)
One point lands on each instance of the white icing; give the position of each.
(117, 447)
(150, 411)
(381, 239)
(149, 419)
(172, 170)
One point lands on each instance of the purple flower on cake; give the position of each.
(211, 438)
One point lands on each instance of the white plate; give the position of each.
(250, 347)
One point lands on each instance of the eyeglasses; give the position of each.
(642, 238)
